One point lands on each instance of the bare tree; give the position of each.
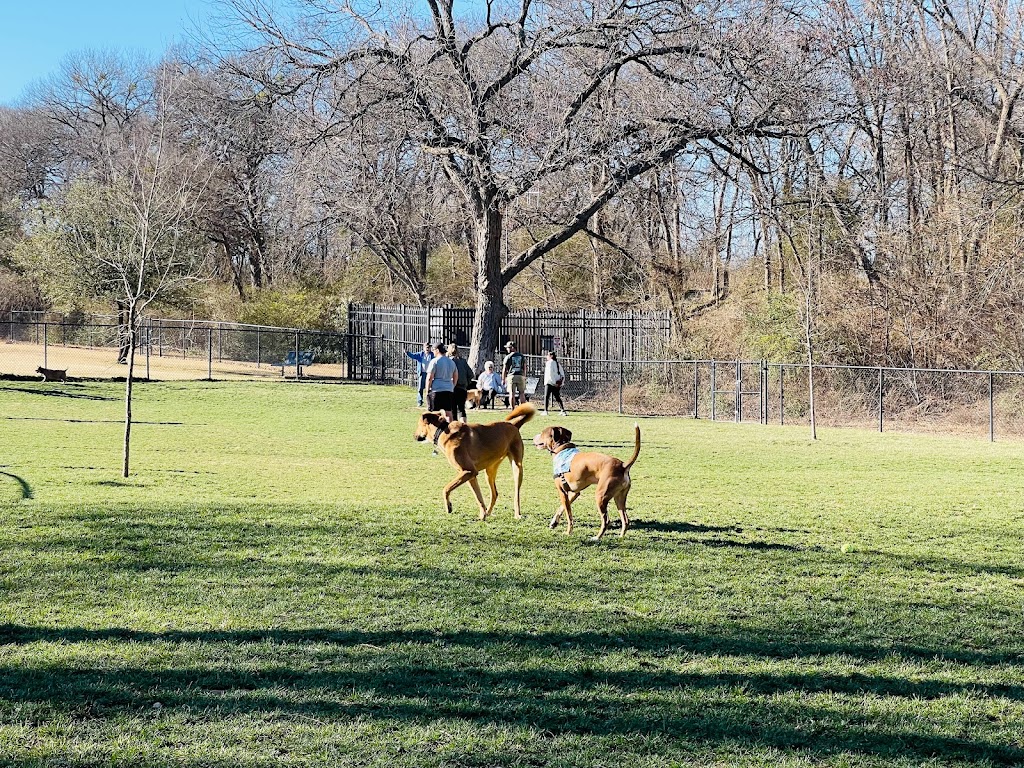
(130, 236)
(532, 97)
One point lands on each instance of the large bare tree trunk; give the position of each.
(490, 297)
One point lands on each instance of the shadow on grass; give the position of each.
(26, 489)
(735, 643)
(65, 391)
(679, 527)
(98, 421)
(420, 677)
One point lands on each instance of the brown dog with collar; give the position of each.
(476, 448)
(576, 470)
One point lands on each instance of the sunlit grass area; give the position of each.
(277, 584)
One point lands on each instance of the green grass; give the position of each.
(277, 584)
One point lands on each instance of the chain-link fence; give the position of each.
(986, 404)
(96, 347)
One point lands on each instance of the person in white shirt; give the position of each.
(489, 382)
(554, 377)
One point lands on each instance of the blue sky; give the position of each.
(35, 35)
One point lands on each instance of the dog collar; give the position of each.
(438, 432)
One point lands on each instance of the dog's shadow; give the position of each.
(678, 527)
(684, 528)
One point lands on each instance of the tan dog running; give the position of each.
(473, 398)
(576, 470)
(476, 448)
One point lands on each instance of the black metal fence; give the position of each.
(986, 404)
(579, 333)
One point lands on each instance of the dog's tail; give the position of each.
(636, 450)
(520, 415)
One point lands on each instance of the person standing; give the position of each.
(465, 382)
(554, 377)
(513, 373)
(422, 358)
(442, 376)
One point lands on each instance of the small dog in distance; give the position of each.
(52, 374)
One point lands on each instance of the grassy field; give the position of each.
(278, 585)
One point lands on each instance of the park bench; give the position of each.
(305, 358)
(532, 382)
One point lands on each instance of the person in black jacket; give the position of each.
(464, 384)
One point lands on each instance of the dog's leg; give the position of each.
(603, 497)
(464, 477)
(517, 479)
(562, 504)
(620, 502)
(492, 474)
(475, 485)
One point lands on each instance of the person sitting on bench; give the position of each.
(490, 386)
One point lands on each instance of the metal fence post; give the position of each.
(881, 408)
(45, 345)
(298, 368)
(12, 326)
(763, 397)
(991, 409)
(782, 395)
(383, 360)
(714, 393)
(183, 340)
(209, 354)
(696, 391)
(622, 382)
(149, 346)
(220, 342)
(738, 405)
(259, 352)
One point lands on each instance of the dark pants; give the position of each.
(550, 390)
(459, 404)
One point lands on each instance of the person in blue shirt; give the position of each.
(422, 359)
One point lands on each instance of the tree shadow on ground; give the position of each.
(26, 489)
(63, 392)
(418, 677)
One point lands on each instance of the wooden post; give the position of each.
(209, 353)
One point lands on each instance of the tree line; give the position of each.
(779, 174)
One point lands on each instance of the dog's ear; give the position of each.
(560, 435)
